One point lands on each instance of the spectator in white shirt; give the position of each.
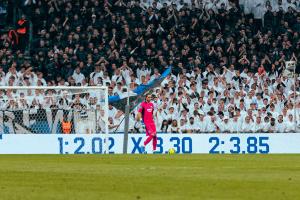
(266, 124)
(118, 119)
(211, 4)
(111, 111)
(173, 128)
(219, 118)
(235, 124)
(290, 124)
(117, 77)
(206, 108)
(39, 77)
(144, 71)
(201, 127)
(225, 126)
(78, 76)
(191, 125)
(155, 75)
(280, 126)
(273, 111)
(288, 5)
(126, 73)
(211, 126)
(259, 100)
(171, 114)
(96, 75)
(111, 125)
(247, 126)
(183, 126)
(258, 9)
(22, 101)
(118, 90)
(145, 4)
(259, 126)
(105, 78)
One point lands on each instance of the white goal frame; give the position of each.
(103, 88)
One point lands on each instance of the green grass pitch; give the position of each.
(130, 177)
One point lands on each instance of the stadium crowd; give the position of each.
(228, 58)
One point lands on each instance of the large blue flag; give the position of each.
(137, 95)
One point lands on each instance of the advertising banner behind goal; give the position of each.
(181, 143)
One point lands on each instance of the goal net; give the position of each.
(53, 110)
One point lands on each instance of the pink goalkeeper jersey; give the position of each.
(147, 110)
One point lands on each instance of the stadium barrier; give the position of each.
(182, 143)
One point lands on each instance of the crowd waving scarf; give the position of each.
(137, 95)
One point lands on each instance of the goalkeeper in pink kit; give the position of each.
(146, 113)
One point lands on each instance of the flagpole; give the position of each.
(126, 126)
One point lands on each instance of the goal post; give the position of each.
(54, 110)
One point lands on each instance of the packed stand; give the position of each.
(228, 59)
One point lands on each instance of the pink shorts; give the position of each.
(150, 128)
